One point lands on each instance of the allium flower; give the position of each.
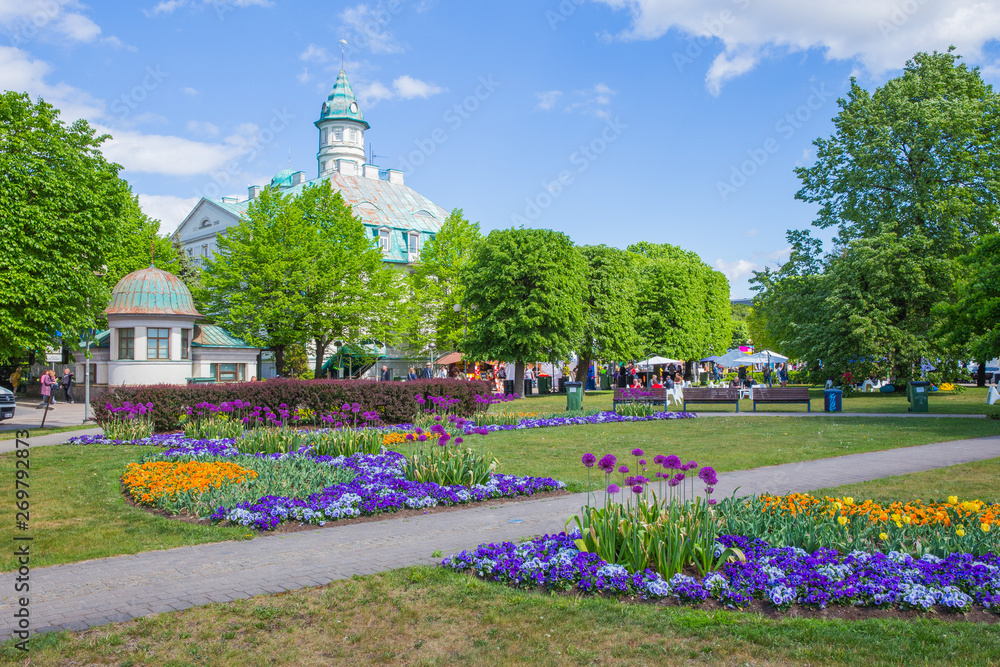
(708, 476)
(637, 452)
(692, 465)
(607, 463)
(679, 477)
(589, 460)
(637, 489)
(459, 440)
(623, 470)
(613, 489)
(642, 462)
(671, 462)
(658, 459)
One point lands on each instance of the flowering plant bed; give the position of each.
(779, 577)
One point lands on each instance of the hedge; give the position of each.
(395, 402)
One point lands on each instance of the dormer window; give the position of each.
(413, 243)
(383, 240)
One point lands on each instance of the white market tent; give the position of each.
(764, 357)
(647, 364)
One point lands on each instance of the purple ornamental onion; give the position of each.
(708, 475)
(589, 460)
(679, 477)
(658, 459)
(623, 470)
(613, 489)
(607, 463)
(637, 489)
(692, 465)
(642, 462)
(637, 452)
(459, 440)
(671, 462)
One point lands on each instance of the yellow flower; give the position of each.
(883, 536)
(899, 525)
(842, 520)
(907, 519)
(960, 532)
(848, 500)
(985, 527)
(953, 500)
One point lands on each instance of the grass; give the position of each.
(431, 616)
(725, 443)
(970, 401)
(48, 430)
(969, 481)
(77, 511)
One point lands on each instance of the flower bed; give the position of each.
(779, 577)
(377, 486)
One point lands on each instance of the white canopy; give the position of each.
(765, 357)
(646, 364)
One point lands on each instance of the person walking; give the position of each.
(767, 375)
(47, 381)
(386, 374)
(67, 384)
(428, 372)
(15, 379)
(783, 375)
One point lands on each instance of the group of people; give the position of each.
(50, 384)
(781, 371)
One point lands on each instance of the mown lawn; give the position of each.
(78, 513)
(969, 481)
(431, 616)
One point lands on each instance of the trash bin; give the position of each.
(833, 400)
(606, 382)
(574, 395)
(544, 384)
(916, 393)
(508, 387)
(527, 387)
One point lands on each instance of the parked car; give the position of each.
(6, 403)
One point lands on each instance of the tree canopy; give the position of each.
(67, 220)
(528, 288)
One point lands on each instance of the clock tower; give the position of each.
(341, 131)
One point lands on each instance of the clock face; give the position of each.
(354, 107)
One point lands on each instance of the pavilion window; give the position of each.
(157, 343)
(414, 244)
(126, 343)
(338, 134)
(383, 240)
(185, 342)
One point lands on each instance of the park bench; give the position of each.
(781, 395)
(712, 395)
(652, 396)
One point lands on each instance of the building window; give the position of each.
(157, 343)
(414, 244)
(338, 134)
(206, 223)
(126, 343)
(322, 139)
(204, 250)
(383, 240)
(228, 372)
(185, 341)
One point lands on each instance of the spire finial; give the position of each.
(152, 250)
(342, 43)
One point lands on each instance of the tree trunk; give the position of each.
(279, 359)
(981, 374)
(519, 377)
(688, 373)
(582, 366)
(321, 345)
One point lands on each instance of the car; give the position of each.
(6, 403)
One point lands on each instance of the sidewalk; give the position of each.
(81, 595)
(27, 415)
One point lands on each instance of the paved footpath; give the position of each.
(96, 592)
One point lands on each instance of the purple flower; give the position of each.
(679, 477)
(637, 452)
(613, 489)
(658, 459)
(607, 463)
(589, 460)
(692, 465)
(623, 470)
(707, 475)
(637, 489)
(459, 440)
(671, 462)
(642, 462)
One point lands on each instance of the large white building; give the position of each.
(399, 217)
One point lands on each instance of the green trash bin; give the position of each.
(605, 381)
(544, 384)
(916, 393)
(574, 395)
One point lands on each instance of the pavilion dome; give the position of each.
(282, 179)
(151, 291)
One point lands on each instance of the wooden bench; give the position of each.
(781, 395)
(652, 396)
(712, 395)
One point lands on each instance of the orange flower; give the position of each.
(148, 482)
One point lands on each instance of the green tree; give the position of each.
(436, 285)
(741, 325)
(684, 309)
(909, 181)
(256, 284)
(609, 308)
(352, 294)
(64, 213)
(527, 287)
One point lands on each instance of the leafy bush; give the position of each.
(636, 409)
(395, 402)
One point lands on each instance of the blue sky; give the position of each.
(614, 121)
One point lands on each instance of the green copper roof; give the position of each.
(151, 292)
(341, 104)
(210, 335)
(282, 179)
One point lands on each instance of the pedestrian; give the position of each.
(386, 374)
(428, 372)
(411, 374)
(767, 375)
(47, 382)
(783, 374)
(15, 379)
(67, 384)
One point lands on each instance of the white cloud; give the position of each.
(169, 210)
(202, 128)
(168, 155)
(880, 36)
(314, 54)
(547, 100)
(367, 26)
(78, 27)
(737, 271)
(189, 91)
(595, 100)
(375, 92)
(304, 76)
(407, 87)
(59, 19)
(165, 7)
(19, 72)
(752, 232)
